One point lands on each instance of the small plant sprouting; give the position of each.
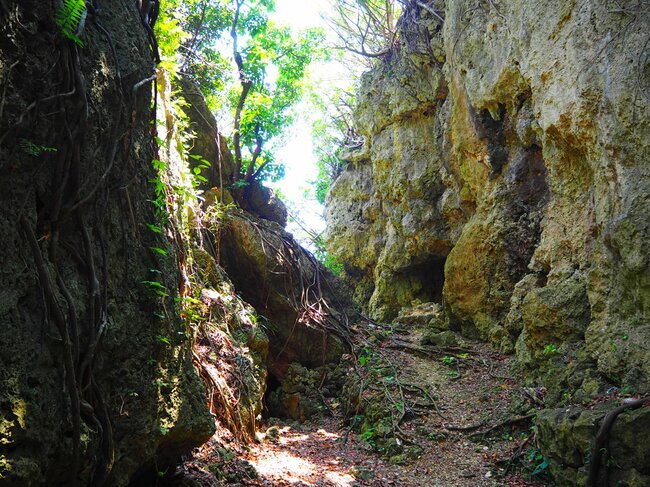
(628, 391)
(365, 356)
(447, 360)
(33, 149)
(204, 164)
(160, 203)
(550, 349)
(69, 18)
(368, 437)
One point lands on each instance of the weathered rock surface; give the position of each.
(303, 390)
(423, 315)
(504, 166)
(89, 303)
(505, 176)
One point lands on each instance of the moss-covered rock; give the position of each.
(273, 273)
(566, 436)
(520, 152)
(555, 314)
(440, 338)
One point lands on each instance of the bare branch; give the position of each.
(246, 85)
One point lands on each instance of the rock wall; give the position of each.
(96, 376)
(505, 176)
(505, 161)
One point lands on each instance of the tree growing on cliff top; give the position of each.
(367, 28)
(256, 82)
(271, 66)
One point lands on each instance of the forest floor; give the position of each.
(469, 437)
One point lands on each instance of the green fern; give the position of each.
(68, 18)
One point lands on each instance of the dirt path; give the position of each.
(472, 393)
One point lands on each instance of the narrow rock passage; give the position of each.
(444, 445)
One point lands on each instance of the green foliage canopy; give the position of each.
(256, 84)
(272, 66)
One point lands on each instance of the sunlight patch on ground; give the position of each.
(286, 465)
(327, 434)
(294, 459)
(293, 469)
(293, 439)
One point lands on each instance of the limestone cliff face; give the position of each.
(505, 174)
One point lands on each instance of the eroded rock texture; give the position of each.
(504, 174)
(306, 313)
(96, 377)
(506, 161)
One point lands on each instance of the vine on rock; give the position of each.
(69, 222)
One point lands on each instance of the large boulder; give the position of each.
(306, 313)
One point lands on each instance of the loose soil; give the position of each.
(473, 392)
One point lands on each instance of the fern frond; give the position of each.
(68, 18)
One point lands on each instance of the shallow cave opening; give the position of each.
(427, 279)
(270, 406)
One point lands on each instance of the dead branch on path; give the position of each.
(470, 427)
(507, 422)
(403, 346)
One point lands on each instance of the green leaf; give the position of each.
(160, 251)
(68, 18)
(154, 228)
(163, 339)
(155, 284)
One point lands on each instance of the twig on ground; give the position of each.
(507, 422)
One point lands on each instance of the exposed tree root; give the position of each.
(598, 447)
(62, 326)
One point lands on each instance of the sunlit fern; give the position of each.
(68, 17)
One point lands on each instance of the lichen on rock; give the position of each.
(516, 161)
(512, 156)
